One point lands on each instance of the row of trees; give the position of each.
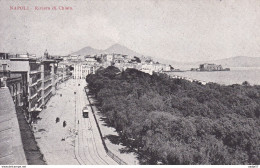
(174, 121)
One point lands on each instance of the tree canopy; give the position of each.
(174, 121)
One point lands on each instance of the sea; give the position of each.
(237, 75)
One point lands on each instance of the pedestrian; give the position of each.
(78, 121)
(64, 123)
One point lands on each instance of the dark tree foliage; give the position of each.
(174, 121)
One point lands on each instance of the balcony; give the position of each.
(48, 86)
(40, 89)
(46, 78)
(39, 80)
(35, 72)
(39, 99)
(47, 93)
(33, 84)
(35, 79)
(33, 96)
(47, 72)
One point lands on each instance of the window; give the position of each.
(4, 67)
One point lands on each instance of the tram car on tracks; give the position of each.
(85, 112)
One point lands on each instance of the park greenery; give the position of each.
(174, 121)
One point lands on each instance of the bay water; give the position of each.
(237, 75)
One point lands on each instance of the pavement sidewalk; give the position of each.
(130, 158)
(49, 134)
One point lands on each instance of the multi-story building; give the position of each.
(147, 68)
(90, 60)
(81, 70)
(15, 85)
(119, 58)
(16, 82)
(19, 65)
(29, 68)
(157, 67)
(74, 58)
(124, 66)
(109, 57)
(61, 71)
(4, 64)
(38, 80)
(49, 66)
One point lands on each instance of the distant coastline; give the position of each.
(236, 76)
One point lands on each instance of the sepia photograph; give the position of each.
(129, 82)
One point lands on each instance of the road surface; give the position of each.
(89, 149)
(79, 141)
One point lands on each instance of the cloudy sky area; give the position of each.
(178, 30)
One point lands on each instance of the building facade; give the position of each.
(31, 81)
(81, 70)
(210, 67)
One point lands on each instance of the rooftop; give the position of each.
(11, 147)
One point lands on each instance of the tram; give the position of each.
(85, 112)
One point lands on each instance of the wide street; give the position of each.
(79, 141)
(88, 146)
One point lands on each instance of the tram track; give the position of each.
(82, 133)
(86, 150)
(95, 145)
(83, 152)
(76, 149)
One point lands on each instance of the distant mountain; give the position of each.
(119, 49)
(116, 48)
(86, 51)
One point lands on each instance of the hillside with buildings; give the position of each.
(85, 62)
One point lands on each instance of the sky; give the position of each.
(178, 30)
